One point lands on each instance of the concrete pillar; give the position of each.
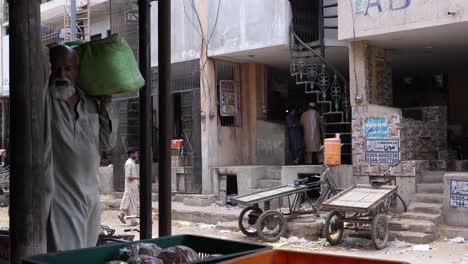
(370, 75)
(358, 73)
(209, 122)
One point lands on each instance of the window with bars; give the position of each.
(228, 91)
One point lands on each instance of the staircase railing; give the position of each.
(310, 73)
(81, 33)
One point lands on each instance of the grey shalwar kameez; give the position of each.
(74, 140)
(310, 122)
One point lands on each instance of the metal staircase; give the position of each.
(83, 20)
(320, 79)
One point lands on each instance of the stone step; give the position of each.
(427, 208)
(429, 198)
(422, 226)
(454, 231)
(435, 218)
(413, 237)
(268, 184)
(432, 176)
(273, 174)
(430, 188)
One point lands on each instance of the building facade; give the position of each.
(407, 86)
(238, 66)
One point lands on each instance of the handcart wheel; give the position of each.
(271, 226)
(379, 231)
(334, 228)
(248, 218)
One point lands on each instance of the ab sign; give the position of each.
(364, 6)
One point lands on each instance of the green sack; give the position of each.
(107, 67)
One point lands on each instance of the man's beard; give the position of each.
(62, 89)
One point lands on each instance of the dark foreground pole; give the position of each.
(27, 78)
(164, 68)
(144, 28)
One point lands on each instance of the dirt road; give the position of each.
(441, 252)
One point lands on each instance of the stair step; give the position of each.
(272, 174)
(330, 5)
(413, 237)
(423, 226)
(427, 208)
(432, 176)
(429, 198)
(338, 123)
(333, 113)
(268, 184)
(435, 218)
(430, 188)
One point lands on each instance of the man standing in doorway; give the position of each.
(296, 140)
(129, 204)
(77, 128)
(310, 121)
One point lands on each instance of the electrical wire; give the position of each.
(354, 53)
(205, 44)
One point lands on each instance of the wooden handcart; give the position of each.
(270, 225)
(362, 208)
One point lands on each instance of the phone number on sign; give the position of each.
(459, 200)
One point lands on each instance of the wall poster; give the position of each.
(459, 194)
(383, 151)
(228, 98)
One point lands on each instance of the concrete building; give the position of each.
(407, 86)
(245, 51)
(388, 76)
(242, 50)
(246, 46)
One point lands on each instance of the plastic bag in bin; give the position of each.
(144, 259)
(134, 250)
(178, 254)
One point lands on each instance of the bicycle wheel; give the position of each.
(403, 203)
(394, 202)
(248, 218)
(334, 228)
(271, 226)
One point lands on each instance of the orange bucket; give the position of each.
(332, 152)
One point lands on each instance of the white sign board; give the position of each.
(459, 194)
(383, 151)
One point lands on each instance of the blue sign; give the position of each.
(376, 128)
(358, 6)
(376, 5)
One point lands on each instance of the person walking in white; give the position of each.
(310, 122)
(129, 204)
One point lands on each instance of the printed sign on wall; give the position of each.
(376, 127)
(383, 151)
(459, 194)
(228, 100)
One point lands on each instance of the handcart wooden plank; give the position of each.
(266, 195)
(359, 198)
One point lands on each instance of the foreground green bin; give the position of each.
(206, 247)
